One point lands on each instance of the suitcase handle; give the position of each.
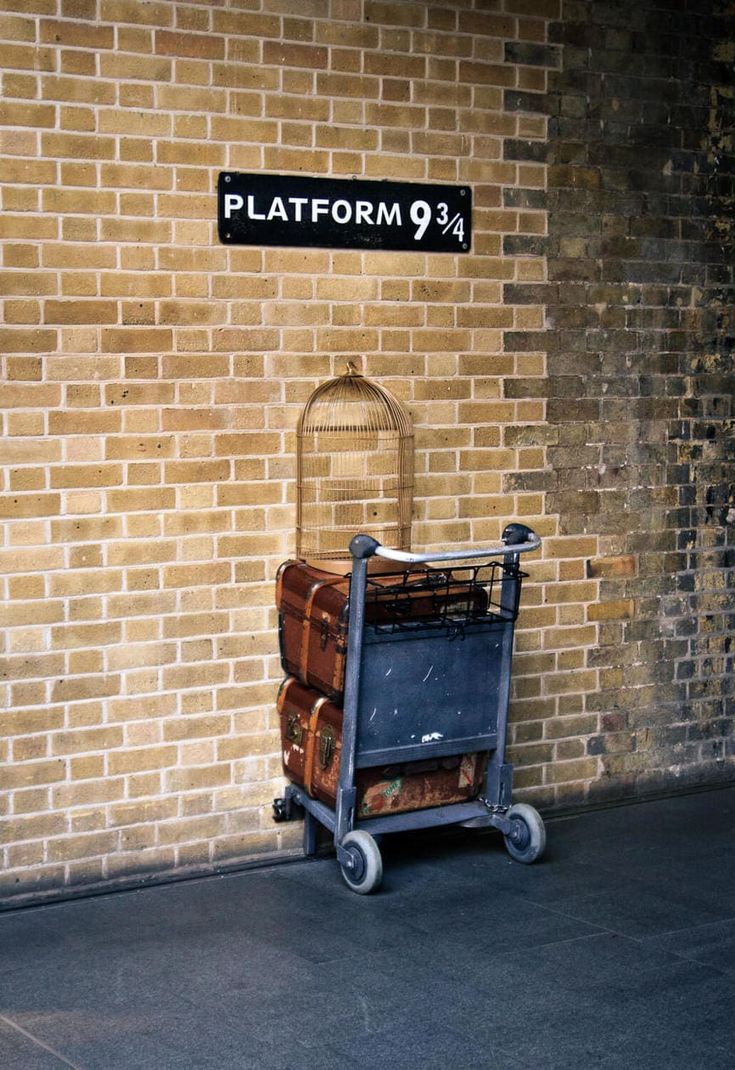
(517, 539)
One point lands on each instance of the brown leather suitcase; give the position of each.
(313, 614)
(311, 738)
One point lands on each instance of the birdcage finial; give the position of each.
(351, 369)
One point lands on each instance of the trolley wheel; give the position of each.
(527, 838)
(366, 872)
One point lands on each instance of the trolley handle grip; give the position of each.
(517, 539)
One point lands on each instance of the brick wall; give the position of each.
(151, 382)
(641, 187)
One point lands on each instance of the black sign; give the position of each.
(343, 214)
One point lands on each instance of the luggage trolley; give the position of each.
(425, 689)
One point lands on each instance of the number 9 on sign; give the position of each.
(421, 216)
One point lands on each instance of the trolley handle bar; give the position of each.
(517, 539)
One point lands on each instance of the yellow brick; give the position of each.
(22, 311)
(26, 748)
(183, 728)
(620, 609)
(185, 624)
(31, 801)
(139, 759)
(87, 767)
(33, 828)
(197, 777)
(611, 567)
(62, 850)
(571, 592)
(17, 506)
(90, 475)
(570, 682)
(25, 855)
(570, 546)
(184, 677)
(143, 631)
(133, 709)
(31, 774)
(245, 695)
(140, 733)
(85, 687)
(556, 638)
(134, 339)
(133, 552)
(579, 769)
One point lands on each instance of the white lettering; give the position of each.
(278, 209)
(233, 202)
(297, 202)
(388, 216)
(420, 213)
(341, 211)
(318, 207)
(252, 214)
(363, 212)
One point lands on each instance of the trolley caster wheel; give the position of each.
(366, 871)
(527, 838)
(281, 810)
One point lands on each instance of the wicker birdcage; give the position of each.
(354, 469)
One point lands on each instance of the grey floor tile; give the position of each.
(154, 1042)
(430, 1047)
(642, 910)
(19, 1052)
(592, 1025)
(712, 944)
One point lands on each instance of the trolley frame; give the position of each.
(491, 808)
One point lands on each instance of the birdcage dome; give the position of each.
(354, 468)
(353, 403)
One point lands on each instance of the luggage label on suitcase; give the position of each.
(450, 780)
(311, 733)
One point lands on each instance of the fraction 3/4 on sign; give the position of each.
(421, 214)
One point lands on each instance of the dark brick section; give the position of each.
(640, 385)
(531, 55)
(523, 151)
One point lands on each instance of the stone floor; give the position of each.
(617, 950)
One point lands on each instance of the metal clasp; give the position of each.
(294, 731)
(327, 743)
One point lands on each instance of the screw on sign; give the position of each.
(335, 213)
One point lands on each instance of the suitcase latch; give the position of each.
(326, 746)
(294, 731)
(324, 636)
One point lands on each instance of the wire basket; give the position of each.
(354, 469)
(453, 599)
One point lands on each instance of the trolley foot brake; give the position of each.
(522, 828)
(283, 809)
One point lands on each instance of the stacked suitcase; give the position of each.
(313, 613)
